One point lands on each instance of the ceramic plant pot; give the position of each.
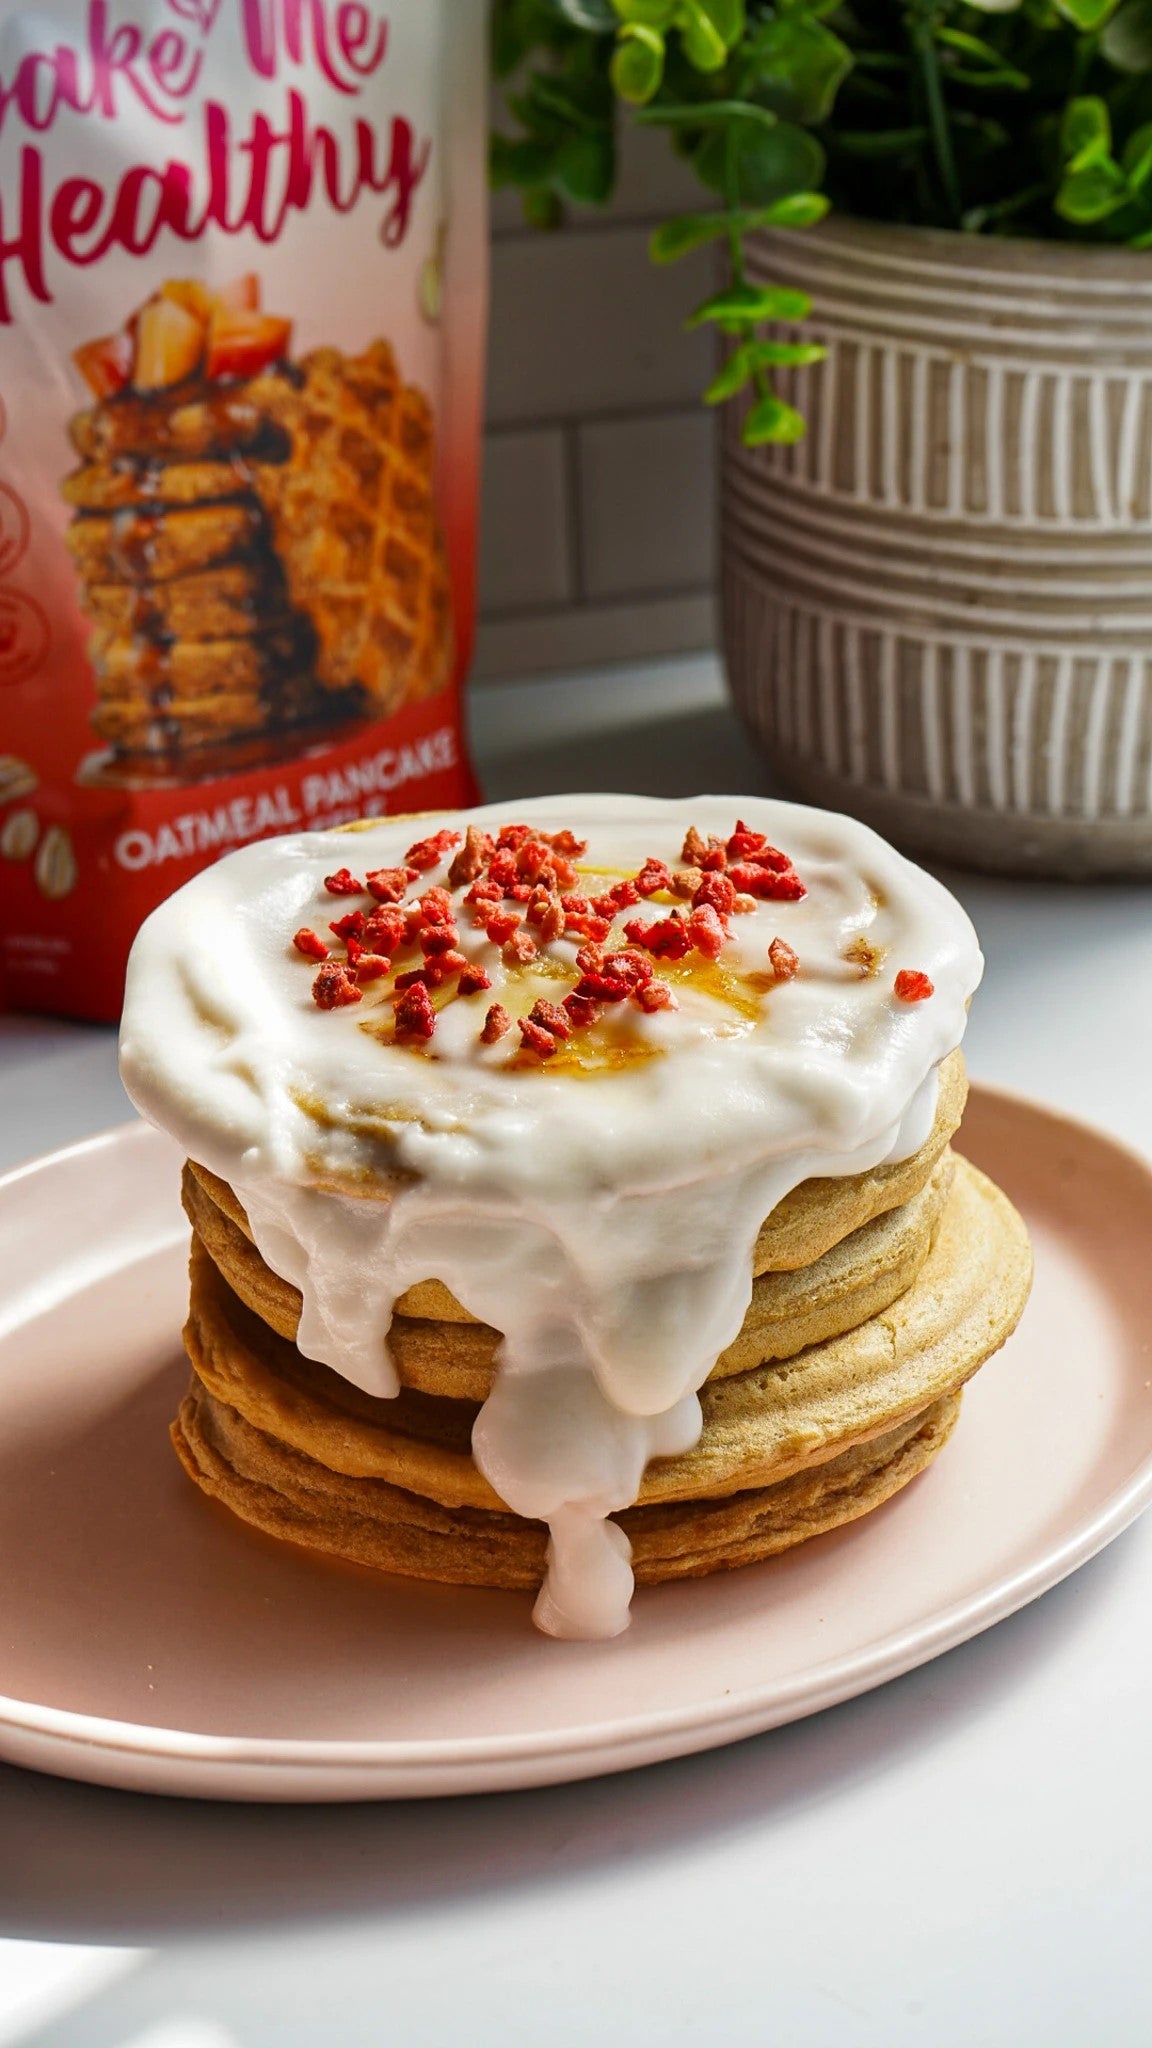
(938, 605)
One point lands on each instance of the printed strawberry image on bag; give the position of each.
(242, 294)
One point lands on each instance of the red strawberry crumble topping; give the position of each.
(519, 889)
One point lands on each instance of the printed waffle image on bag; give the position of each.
(243, 302)
(256, 538)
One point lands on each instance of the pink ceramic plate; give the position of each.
(148, 1640)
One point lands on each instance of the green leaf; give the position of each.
(646, 13)
(1137, 158)
(785, 355)
(1127, 39)
(1086, 15)
(797, 66)
(515, 162)
(796, 210)
(742, 305)
(728, 18)
(731, 378)
(584, 168)
(688, 231)
(704, 46)
(771, 419)
(705, 114)
(1092, 194)
(638, 63)
(1085, 132)
(756, 166)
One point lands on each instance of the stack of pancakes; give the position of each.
(875, 1298)
(258, 556)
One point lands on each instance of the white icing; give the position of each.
(604, 1223)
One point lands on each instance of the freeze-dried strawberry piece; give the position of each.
(387, 885)
(579, 925)
(706, 932)
(372, 967)
(310, 944)
(438, 938)
(430, 975)
(580, 906)
(510, 837)
(619, 897)
(912, 987)
(775, 886)
(583, 1010)
(472, 979)
(630, 964)
(654, 874)
(519, 892)
(385, 930)
(501, 925)
(436, 907)
(562, 871)
(784, 961)
(667, 939)
(484, 891)
(334, 987)
(520, 948)
(566, 843)
(699, 852)
(533, 859)
(550, 1018)
(446, 965)
(478, 847)
(536, 1039)
(349, 927)
(717, 890)
(655, 995)
(343, 883)
(744, 841)
(496, 1023)
(502, 868)
(355, 951)
(428, 853)
(415, 1017)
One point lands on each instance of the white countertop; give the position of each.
(959, 1860)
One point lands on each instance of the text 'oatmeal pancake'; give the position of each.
(571, 1185)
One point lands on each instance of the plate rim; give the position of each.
(626, 1742)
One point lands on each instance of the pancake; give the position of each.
(369, 1522)
(221, 420)
(455, 1356)
(133, 724)
(159, 544)
(221, 603)
(759, 1427)
(196, 668)
(118, 486)
(670, 1011)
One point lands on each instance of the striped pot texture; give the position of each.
(938, 605)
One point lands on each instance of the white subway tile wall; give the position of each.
(598, 513)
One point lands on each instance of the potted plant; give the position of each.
(936, 497)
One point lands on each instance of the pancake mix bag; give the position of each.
(242, 294)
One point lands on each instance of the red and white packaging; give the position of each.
(242, 303)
